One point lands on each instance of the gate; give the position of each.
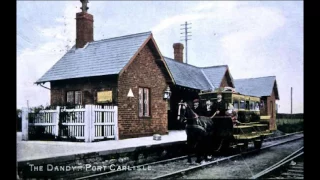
(92, 122)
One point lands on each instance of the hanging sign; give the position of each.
(104, 96)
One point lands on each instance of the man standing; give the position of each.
(209, 111)
(219, 107)
(196, 108)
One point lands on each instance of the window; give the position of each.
(257, 108)
(242, 105)
(235, 104)
(74, 97)
(144, 102)
(252, 105)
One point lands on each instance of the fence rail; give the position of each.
(90, 123)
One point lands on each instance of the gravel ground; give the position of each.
(245, 167)
(277, 133)
(161, 169)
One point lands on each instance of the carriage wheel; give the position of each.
(243, 146)
(257, 144)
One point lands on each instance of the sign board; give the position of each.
(104, 96)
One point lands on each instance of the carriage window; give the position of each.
(144, 102)
(236, 104)
(252, 106)
(256, 108)
(242, 105)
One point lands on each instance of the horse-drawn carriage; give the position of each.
(225, 133)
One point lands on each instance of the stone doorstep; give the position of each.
(98, 153)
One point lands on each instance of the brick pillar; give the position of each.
(178, 51)
(84, 29)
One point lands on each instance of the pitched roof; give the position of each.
(261, 86)
(215, 74)
(202, 78)
(97, 58)
(187, 75)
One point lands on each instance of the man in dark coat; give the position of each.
(209, 111)
(219, 106)
(196, 108)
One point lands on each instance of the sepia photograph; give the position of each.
(159, 90)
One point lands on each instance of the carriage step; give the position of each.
(233, 146)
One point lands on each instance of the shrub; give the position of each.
(38, 133)
(290, 128)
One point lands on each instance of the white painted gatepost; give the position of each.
(92, 122)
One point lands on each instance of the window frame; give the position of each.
(240, 102)
(143, 105)
(255, 105)
(236, 104)
(74, 97)
(252, 105)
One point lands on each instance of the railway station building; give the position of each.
(131, 73)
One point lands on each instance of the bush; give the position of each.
(38, 133)
(291, 128)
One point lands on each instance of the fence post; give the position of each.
(87, 120)
(56, 122)
(92, 126)
(25, 123)
(116, 129)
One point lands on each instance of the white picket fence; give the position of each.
(89, 123)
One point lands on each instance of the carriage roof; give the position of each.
(229, 92)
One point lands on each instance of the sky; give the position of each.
(254, 38)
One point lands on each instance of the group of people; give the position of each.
(216, 109)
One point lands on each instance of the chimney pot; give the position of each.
(178, 51)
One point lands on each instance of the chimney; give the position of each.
(84, 26)
(178, 51)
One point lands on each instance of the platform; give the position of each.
(34, 150)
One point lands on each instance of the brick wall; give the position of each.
(267, 109)
(142, 72)
(88, 86)
(226, 81)
(264, 110)
(272, 110)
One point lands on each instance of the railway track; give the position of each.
(291, 167)
(168, 168)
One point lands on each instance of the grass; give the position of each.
(288, 121)
(290, 125)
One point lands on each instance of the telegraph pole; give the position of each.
(291, 100)
(186, 37)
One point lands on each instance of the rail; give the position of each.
(191, 168)
(279, 164)
(220, 160)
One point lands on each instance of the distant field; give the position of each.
(290, 125)
(289, 121)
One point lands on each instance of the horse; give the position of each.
(198, 130)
